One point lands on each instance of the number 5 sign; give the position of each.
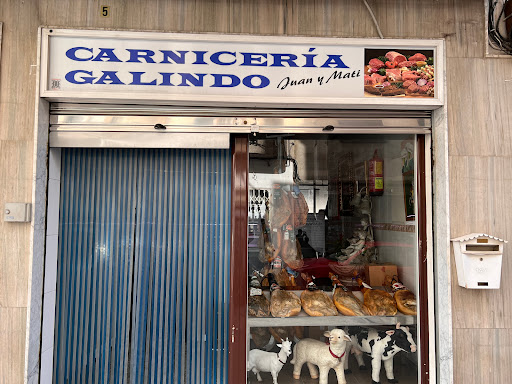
(105, 11)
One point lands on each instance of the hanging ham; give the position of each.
(300, 210)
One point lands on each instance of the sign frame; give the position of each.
(162, 98)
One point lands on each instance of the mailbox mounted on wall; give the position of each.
(478, 258)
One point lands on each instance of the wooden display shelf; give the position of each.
(303, 319)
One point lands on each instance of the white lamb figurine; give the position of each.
(262, 361)
(317, 353)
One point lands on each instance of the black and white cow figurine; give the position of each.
(381, 346)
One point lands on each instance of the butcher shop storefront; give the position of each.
(228, 209)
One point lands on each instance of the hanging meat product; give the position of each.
(282, 303)
(280, 208)
(287, 209)
(280, 213)
(291, 251)
(258, 304)
(267, 251)
(300, 208)
(405, 299)
(378, 303)
(345, 301)
(315, 301)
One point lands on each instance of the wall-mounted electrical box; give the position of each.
(17, 212)
(478, 258)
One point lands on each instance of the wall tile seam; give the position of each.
(483, 328)
(482, 156)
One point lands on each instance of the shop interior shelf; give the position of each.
(303, 319)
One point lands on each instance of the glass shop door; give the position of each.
(334, 229)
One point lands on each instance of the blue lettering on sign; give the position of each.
(254, 59)
(219, 80)
(336, 60)
(178, 59)
(166, 78)
(107, 54)
(109, 76)
(311, 59)
(215, 58)
(72, 53)
(204, 57)
(137, 79)
(192, 79)
(279, 58)
(263, 81)
(71, 77)
(136, 54)
(200, 57)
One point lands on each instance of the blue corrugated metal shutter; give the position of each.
(142, 291)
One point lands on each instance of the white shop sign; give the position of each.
(220, 69)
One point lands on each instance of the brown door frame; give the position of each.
(238, 261)
(422, 261)
(238, 267)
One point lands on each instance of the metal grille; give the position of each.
(143, 273)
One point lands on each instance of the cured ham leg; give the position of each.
(378, 303)
(292, 254)
(315, 301)
(280, 210)
(345, 301)
(258, 304)
(282, 303)
(300, 210)
(405, 299)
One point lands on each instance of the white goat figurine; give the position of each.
(315, 352)
(261, 361)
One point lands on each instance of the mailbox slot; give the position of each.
(482, 248)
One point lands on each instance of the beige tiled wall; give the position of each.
(480, 119)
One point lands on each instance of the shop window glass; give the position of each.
(332, 244)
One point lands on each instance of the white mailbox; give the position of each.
(478, 259)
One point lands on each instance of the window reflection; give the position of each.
(332, 237)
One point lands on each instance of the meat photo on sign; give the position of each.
(399, 73)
